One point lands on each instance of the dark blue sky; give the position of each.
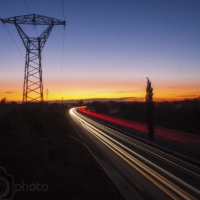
(111, 46)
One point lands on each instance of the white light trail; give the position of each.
(125, 153)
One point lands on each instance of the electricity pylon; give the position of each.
(33, 86)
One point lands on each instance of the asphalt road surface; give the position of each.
(139, 170)
(181, 142)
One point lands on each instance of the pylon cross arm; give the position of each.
(33, 19)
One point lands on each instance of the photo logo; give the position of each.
(8, 188)
(6, 185)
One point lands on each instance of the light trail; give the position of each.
(140, 163)
(149, 149)
(167, 133)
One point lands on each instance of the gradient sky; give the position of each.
(110, 47)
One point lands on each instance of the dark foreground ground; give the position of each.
(44, 162)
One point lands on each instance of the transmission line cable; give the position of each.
(14, 42)
(43, 60)
(63, 45)
(26, 6)
(63, 9)
(8, 84)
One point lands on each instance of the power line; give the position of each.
(63, 9)
(18, 50)
(14, 42)
(63, 45)
(47, 93)
(8, 84)
(30, 14)
(26, 6)
(47, 74)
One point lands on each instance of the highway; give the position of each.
(181, 142)
(139, 170)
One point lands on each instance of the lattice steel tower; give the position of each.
(33, 86)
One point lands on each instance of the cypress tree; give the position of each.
(150, 110)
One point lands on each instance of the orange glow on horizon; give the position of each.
(85, 89)
(18, 97)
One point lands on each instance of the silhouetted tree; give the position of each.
(80, 103)
(13, 102)
(3, 101)
(150, 109)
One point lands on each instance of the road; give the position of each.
(181, 142)
(139, 170)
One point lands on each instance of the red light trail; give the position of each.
(169, 134)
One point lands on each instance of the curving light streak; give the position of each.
(149, 149)
(122, 151)
(167, 133)
(172, 176)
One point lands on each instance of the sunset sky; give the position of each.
(110, 47)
